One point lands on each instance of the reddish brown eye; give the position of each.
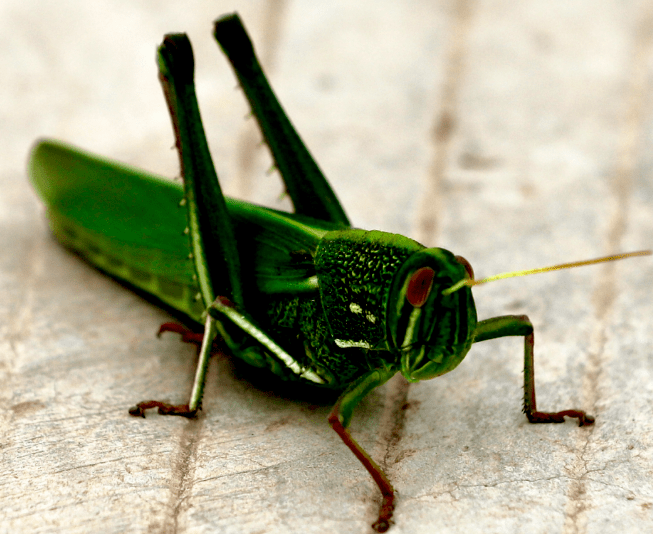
(419, 286)
(466, 265)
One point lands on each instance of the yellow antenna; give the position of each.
(470, 282)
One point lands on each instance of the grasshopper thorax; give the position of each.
(383, 292)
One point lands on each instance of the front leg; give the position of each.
(520, 325)
(339, 419)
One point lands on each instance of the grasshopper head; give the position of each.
(432, 332)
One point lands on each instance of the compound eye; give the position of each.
(419, 286)
(466, 265)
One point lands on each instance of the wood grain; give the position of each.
(516, 134)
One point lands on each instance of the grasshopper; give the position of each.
(302, 294)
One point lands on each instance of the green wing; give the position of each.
(130, 224)
(125, 222)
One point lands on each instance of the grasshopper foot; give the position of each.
(187, 335)
(382, 524)
(164, 409)
(559, 417)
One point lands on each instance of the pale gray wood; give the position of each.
(517, 134)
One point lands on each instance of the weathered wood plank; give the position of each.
(515, 134)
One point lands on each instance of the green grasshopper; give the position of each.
(304, 295)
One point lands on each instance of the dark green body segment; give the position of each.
(351, 265)
(299, 324)
(356, 269)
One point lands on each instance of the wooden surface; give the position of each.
(517, 134)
